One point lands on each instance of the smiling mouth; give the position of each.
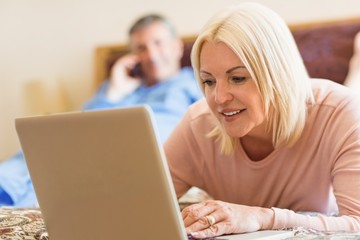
(232, 113)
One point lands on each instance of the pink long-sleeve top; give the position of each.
(320, 173)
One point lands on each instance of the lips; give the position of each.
(232, 113)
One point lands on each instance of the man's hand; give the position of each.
(121, 83)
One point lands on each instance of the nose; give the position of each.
(222, 92)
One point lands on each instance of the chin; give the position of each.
(231, 134)
(235, 134)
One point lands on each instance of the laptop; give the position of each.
(103, 175)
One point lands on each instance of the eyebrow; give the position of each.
(234, 68)
(228, 71)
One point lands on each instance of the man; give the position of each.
(151, 74)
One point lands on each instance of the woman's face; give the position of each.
(230, 91)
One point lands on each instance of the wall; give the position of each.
(47, 47)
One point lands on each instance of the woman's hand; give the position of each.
(214, 218)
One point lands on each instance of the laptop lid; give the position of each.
(101, 175)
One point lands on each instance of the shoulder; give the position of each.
(336, 99)
(336, 108)
(331, 94)
(199, 109)
(199, 116)
(191, 133)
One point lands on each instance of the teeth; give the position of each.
(231, 113)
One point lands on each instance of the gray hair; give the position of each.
(149, 19)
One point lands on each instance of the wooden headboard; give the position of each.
(326, 48)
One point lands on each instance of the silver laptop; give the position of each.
(103, 175)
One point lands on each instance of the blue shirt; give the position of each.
(16, 188)
(169, 100)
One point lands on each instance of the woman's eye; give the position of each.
(238, 79)
(208, 82)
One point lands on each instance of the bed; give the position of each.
(326, 48)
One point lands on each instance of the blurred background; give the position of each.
(47, 47)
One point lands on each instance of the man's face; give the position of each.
(158, 50)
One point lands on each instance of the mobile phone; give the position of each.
(136, 71)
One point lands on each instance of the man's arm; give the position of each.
(15, 183)
(120, 84)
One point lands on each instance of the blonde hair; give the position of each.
(264, 43)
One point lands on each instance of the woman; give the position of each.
(275, 148)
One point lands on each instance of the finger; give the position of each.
(187, 210)
(217, 229)
(126, 62)
(192, 215)
(208, 221)
(203, 223)
(199, 225)
(193, 209)
(209, 203)
(219, 215)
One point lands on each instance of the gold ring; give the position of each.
(210, 219)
